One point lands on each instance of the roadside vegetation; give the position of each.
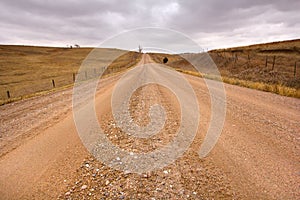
(272, 67)
(28, 71)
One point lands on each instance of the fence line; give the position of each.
(59, 81)
(235, 58)
(254, 60)
(55, 82)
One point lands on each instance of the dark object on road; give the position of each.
(165, 60)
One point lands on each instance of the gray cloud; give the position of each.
(212, 24)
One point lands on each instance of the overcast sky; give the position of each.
(212, 23)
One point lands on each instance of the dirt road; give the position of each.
(257, 154)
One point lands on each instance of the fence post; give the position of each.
(235, 58)
(53, 83)
(295, 68)
(248, 62)
(73, 77)
(266, 62)
(273, 63)
(8, 94)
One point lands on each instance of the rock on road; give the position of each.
(256, 156)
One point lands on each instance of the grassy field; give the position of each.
(26, 70)
(268, 67)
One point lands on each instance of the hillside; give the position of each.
(272, 63)
(269, 67)
(26, 69)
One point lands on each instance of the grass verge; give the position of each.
(273, 88)
(68, 86)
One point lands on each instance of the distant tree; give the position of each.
(165, 60)
(76, 46)
(140, 49)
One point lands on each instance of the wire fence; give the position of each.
(23, 88)
(276, 68)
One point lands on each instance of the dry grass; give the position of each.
(255, 63)
(274, 88)
(28, 71)
(246, 66)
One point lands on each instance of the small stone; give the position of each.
(194, 193)
(83, 187)
(87, 165)
(166, 172)
(67, 193)
(107, 182)
(118, 158)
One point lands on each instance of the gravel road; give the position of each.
(256, 156)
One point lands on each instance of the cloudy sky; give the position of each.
(212, 23)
